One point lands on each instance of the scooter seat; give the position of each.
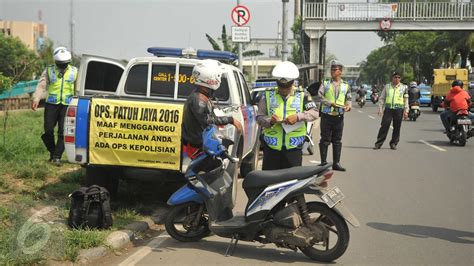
(256, 179)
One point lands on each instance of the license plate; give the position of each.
(464, 122)
(332, 197)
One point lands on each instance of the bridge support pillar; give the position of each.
(316, 53)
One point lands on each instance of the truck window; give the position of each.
(137, 80)
(246, 89)
(162, 80)
(239, 87)
(102, 77)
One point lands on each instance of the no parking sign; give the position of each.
(240, 15)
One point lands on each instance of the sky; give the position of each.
(123, 29)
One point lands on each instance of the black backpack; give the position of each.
(90, 208)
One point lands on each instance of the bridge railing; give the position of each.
(423, 11)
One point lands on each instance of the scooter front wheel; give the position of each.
(183, 224)
(336, 237)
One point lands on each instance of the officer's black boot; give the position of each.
(323, 151)
(336, 154)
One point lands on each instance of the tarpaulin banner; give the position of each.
(132, 133)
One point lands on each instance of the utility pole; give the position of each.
(284, 31)
(241, 67)
(72, 28)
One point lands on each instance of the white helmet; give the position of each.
(413, 84)
(285, 72)
(61, 55)
(207, 73)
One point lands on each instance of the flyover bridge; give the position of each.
(319, 16)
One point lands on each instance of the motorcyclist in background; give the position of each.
(457, 99)
(413, 93)
(199, 110)
(361, 92)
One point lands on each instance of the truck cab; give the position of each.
(160, 81)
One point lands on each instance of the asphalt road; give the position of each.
(415, 204)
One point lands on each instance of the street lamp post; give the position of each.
(284, 31)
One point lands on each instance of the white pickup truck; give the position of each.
(126, 120)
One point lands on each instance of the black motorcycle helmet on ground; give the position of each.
(457, 83)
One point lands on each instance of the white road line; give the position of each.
(144, 251)
(431, 145)
(360, 111)
(315, 162)
(371, 117)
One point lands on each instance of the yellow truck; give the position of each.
(442, 84)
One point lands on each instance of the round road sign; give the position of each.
(385, 24)
(240, 15)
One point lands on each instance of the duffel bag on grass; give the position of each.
(90, 208)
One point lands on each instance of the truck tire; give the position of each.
(250, 162)
(107, 177)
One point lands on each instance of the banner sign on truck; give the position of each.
(132, 133)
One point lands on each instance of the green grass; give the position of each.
(28, 181)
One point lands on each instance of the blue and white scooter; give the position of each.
(275, 213)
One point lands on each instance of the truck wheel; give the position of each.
(103, 176)
(250, 163)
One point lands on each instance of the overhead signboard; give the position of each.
(240, 34)
(240, 15)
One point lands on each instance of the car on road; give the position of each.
(425, 92)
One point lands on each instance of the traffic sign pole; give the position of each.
(241, 66)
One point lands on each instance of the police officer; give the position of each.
(199, 110)
(283, 113)
(58, 82)
(394, 98)
(335, 99)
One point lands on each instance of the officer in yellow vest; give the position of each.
(283, 113)
(335, 99)
(58, 83)
(394, 98)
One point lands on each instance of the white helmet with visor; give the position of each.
(285, 72)
(208, 73)
(62, 56)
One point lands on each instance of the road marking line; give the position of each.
(360, 111)
(371, 117)
(315, 162)
(144, 251)
(431, 145)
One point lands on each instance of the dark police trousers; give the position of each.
(388, 115)
(331, 129)
(274, 160)
(54, 114)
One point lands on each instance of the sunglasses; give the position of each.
(397, 77)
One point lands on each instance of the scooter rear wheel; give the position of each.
(337, 239)
(179, 223)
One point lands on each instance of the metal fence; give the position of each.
(424, 11)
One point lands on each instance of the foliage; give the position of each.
(297, 53)
(5, 83)
(17, 61)
(416, 54)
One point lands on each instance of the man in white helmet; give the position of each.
(198, 109)
(335, 99)
(283, 113)
(58, 83)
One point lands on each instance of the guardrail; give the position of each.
(423, 11)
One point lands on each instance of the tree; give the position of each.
(297, 51)
(5, 83)
(17, 61)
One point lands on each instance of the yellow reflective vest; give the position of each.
(61, 87)
(330, 96)
(394, 96)
(276, 137)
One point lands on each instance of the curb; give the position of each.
(118, 239)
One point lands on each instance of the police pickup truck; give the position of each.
(126, 120)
